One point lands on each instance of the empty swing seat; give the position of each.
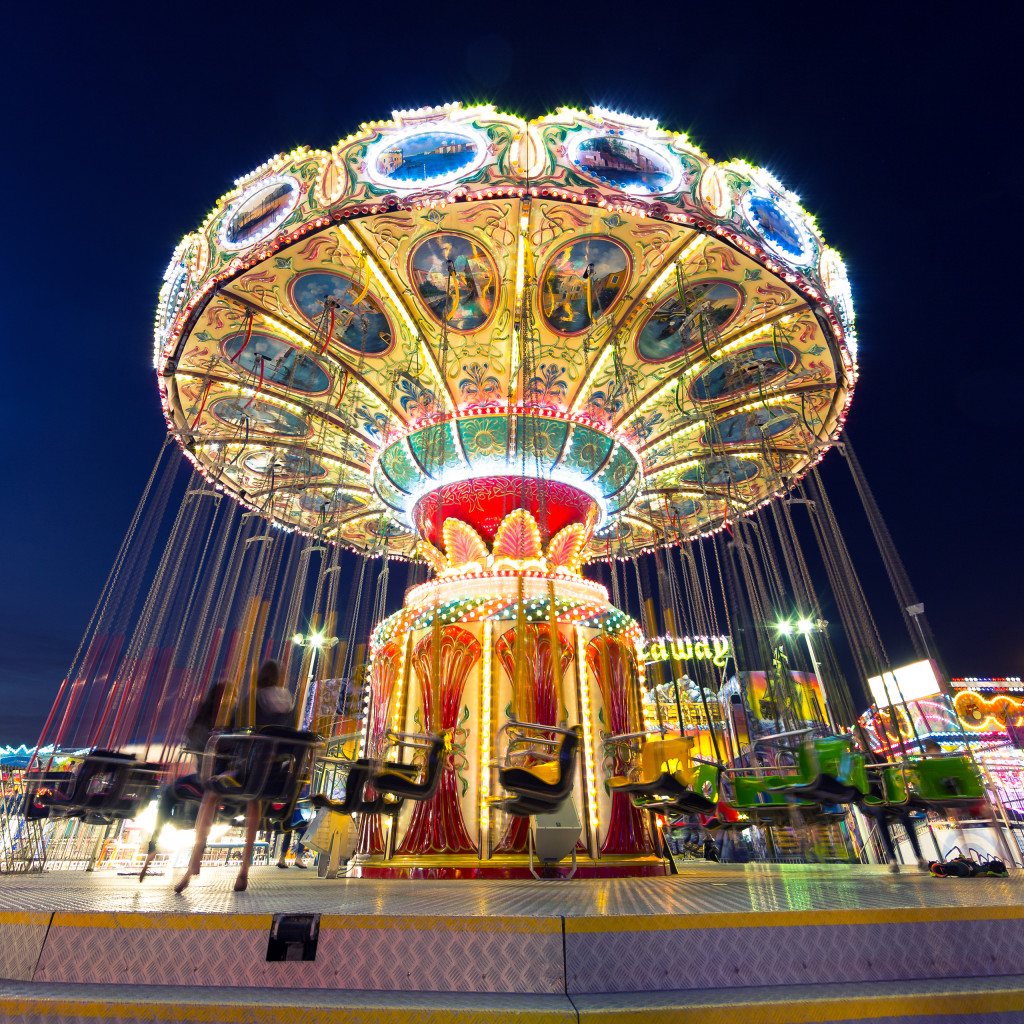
(826, 770)
(759, 797)
(891, 792)
(355, 783)
(408, 781)
(358, 776)
(945, 781)
(108, 786)
(702, 796)
(664, 771)
(539, 788)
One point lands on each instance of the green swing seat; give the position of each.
(946, 781)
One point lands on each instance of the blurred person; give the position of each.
(187, 787)
(274, 706)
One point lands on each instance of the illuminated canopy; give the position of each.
(667, 335)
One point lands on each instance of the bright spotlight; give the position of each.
(805, 625)
(785, 627)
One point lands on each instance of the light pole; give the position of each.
(915, 611)
(805, 627)
(315, 642)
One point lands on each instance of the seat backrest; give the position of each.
(658, 756)
(894, 783)
(830, 751)
(560, 782)
(704, 781)
(853, 771)
(567, 756)
(750, 791)
(433, 768)
(289, 759)
(807, 765)
(100, 778)
(355, 783)
(936, 778)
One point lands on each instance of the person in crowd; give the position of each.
(300, 850)
(295, 828)
(275, 706)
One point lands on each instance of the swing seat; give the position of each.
(108, 786)
(758, 797)
(534, 782)
(664, 768)
(894, 790)
(521, 807)
(355, 783)
(698, 796)
(397, 780)
(945, 781)
(271, 765)
(358, 776)
(702, 796)
(826, 768)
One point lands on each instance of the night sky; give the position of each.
(899, 131)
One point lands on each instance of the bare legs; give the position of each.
(145, 867)
(252, 823)
(204, 820)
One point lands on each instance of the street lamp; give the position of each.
(805, 627)
(915, 611)
(315, 642)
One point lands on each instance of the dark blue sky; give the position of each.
(900, 131)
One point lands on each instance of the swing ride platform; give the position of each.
(750, 943)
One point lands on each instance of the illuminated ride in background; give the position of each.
(560, 369)
(508, 349)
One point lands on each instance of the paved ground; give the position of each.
(700, 890)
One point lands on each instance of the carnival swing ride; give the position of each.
(501, 352)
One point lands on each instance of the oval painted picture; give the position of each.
(259, 212)
(282, 363)
(777, 227)
(359, 321)
(456, 279)
(742, 371)
(674, 327)
(581, 282)
(428, 156)
(683, 508)
(749, 427)
(719, 472)
(315, 501)
(283, 464)
(616, 160)
(260, 416)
